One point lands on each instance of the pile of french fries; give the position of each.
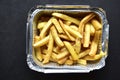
(67, 40)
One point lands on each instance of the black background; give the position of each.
(13, 17)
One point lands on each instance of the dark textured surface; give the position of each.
(13, 15)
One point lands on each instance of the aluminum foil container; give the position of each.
(39, 10)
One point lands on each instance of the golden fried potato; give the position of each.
(94, 44)
(41, 25)
(56, 37)
(45, 29)
(57, 25)
(63, 27)
(63, 39)
(77, 45)
(66, 17)
(74, 33)
(69, 62)
(97, 25)
(82, 61)
(49, 50)
(41, 42)
(86, 40)
(84, 21)
(71, 50)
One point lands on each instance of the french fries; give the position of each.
(94, 44)
(97, 25)
(86, 39)
(67, 40)
(50, 48)
(73, 32)
(96, 57)
(63, 27)
(41, 25)
(41, 42)
(62, 55)
(84, 53)
(62, 61)
(69, 62)
(65, 37)
(45, 29)
(56, 37)
(82, 61)
(38, 50)
(84, 21)
(92, 30)
(57, 25)
(77, 45)
(74, 27)
(71, 50)
(66, 17)
(67, 22)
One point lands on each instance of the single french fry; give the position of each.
(50, 48)
(62, 54)
(94, 44)
(84, 21)
(82, 61)
(63, 27)
(41, 25)
(77, 45)
(74, 27)
(95, 57)
(71, 50)
(41, 42)
(57, 25)
(56, 37)
(63, 60)
(39, 54)
(69, 62)
(38, 50)
(96, 24)
(84, 53)
(45, 29)
(73, 32)
(66, 17)
(86, 40)
(92, 30)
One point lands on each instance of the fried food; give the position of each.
(66, 17)
(41, 42)
(97, 25)
(63, 27)
(49, 50)
(94, 44)
(71, 50)
(64, 39)
(86, 40)
(56, 37)
(57, 25)
(84, 21)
